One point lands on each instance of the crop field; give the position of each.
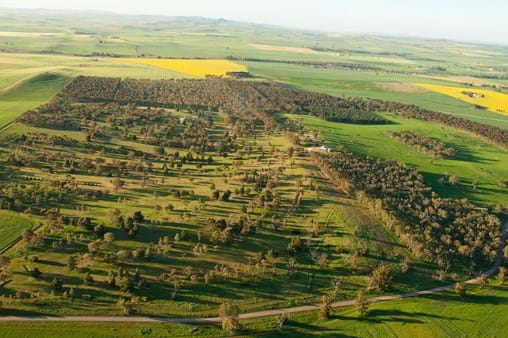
(29, 94)
(198, 68)
(17, 69)
(284, 49)
(474, 158)
(11, 227)
(370, 84)
(492, 100)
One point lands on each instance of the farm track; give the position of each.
(257, 314)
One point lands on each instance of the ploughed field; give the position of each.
(172, 197)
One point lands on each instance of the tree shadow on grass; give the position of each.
(20, 313)
(470, 298)
(378, 316)
(466, 155)
(304, 330)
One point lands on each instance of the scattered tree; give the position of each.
(228, 313)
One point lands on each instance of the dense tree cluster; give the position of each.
(93, 88)
(225, 231)
(239, 97)
(345, 116)
(445, 230)
(232, 96)
(427, 145)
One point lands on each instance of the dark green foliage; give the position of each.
(345, 115)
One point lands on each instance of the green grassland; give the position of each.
(27, 81)
(18, 68)
(11, 227)
(474, 160)
(479, 314)
(29, 94)
(103, 330)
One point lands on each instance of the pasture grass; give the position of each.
(475, 159)
(479, 314)
(29, 94)
(343, 224)
(11, 228)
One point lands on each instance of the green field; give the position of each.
(480, 314)
(29, 94)
(474, 160)
(11, 228)
(18, 68)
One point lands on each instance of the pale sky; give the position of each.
(468, 20)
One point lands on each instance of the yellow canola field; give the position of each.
(199, 68)
(492, 100)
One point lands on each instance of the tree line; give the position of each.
(439, 229)
(427, 145)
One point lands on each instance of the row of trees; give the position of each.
(345, 116)
(493, 134)
(427, 145)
